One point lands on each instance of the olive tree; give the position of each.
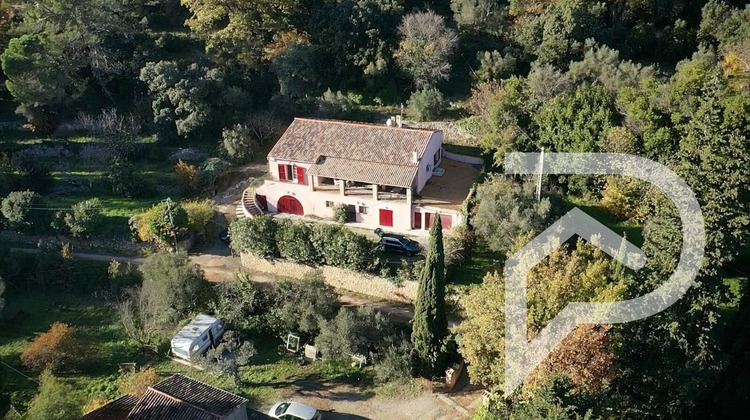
(425, 48)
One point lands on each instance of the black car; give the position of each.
(398, 243)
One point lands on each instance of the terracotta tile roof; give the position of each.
(180, 397)
(363, 171)
(115, 410)
(307, 139)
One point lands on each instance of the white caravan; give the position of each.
(196, 337)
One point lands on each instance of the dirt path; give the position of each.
(219, 266)
(346, 402)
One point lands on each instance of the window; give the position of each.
(294, 172)
(362, 210)
(329, 203)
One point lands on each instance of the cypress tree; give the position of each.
(430, 326)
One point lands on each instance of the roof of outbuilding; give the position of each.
(180, 397)
(308, 140)
(115, 410)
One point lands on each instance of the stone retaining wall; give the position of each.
(340, 278)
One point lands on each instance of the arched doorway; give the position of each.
(289, 204)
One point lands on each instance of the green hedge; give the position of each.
(254, 235)
(318, 244)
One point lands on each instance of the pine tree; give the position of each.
(430, 326)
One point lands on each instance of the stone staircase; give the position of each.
(247, 205)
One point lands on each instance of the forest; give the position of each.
(98, 94)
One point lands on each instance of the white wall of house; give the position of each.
(428, 160)
(316, 203)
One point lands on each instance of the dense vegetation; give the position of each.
(110, 90)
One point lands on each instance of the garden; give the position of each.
(74, 351)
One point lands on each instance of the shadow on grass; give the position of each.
(633, 232)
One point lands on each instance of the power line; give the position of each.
(19, 372)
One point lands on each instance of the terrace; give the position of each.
(450, 190)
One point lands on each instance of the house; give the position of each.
(395, 178)
(196, 337)
(176, 398)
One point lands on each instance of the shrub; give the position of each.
(188, 177)
(334, 105)
(426, 104)
(122, 276)
(228, 356)
(340, 213)
(240, 303)
(493, 66)
(293, 242)
(58, 350)
(84, 218)
(483, 95)
(118, 133)
(211, 171)
(254, 235)
(137, 383)
(353, 332)
(507, 215)
(341, 247)
(301, 305)
(394, 363)
(623, 197)
(408, 272)
(164, 223)
(55, 400)
(34, 173)
(199, 214)
(122, 180)
(16, 208)
(173, 286)
(239, 143)
(458, 245)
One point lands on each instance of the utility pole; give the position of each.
(539, 179)
(171, 222)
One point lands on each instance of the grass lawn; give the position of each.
(464, 150)
(101, 332)
(481, 261)
(633, 231)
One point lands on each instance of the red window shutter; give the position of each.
(428, 220)
(417, 220)
(301, 175)
(446, 220)
(386, 218)
(282, 172)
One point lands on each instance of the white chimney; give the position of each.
(415, 157)
(399, 122)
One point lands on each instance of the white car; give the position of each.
(289, 410)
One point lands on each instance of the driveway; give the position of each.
(346, 402)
